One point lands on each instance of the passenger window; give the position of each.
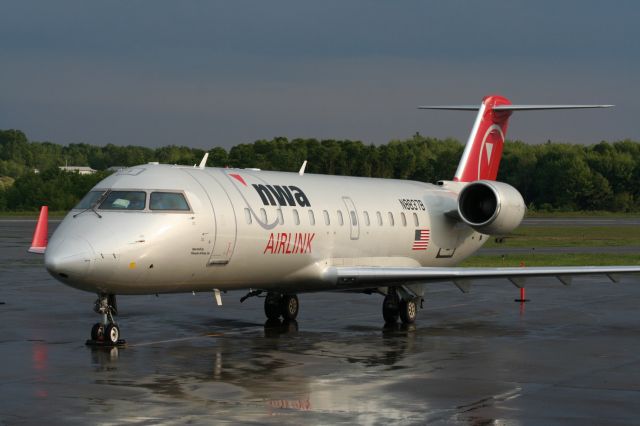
(415, 220)
(404, 219)
(90, 199)
(354, 218)
(124, 200)
(168, 201)
(247, 216)
(366, 218)
(340, 218)
(391, 221)
(379, 216)
(327, 221)
(280, 217)
(312, 218)
(263, 215)
(296, 217)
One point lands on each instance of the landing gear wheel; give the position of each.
(105, 333)
(289, 307)
(97, 332)
(272, 305)
(390, 308)
(112, 334)
(408, 311)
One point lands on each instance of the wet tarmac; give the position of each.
(570, 356)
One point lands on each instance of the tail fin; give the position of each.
(483, 152)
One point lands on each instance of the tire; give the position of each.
(112, 334)
(290, 307)
(408, 311)
(272, 306)
(390, 309)
(97, 332)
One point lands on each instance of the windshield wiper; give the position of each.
(94, 205)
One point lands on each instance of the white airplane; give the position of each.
(156, 228)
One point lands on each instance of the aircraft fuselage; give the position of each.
(253, 229)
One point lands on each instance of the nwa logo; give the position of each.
(276, 195)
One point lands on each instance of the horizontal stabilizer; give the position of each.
(511, 107)
(544, 107)
(452, 107)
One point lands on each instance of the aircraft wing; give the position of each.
(359, 277)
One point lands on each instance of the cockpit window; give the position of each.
(124, 200)
(89, 200)
(168, 201)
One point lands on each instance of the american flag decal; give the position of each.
(421, 241)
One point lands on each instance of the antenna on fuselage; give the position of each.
(204, 160)
(304, 165)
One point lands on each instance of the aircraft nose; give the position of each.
(70, 259)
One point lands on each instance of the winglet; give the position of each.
(203, 162)
(304, 166)
(39, 242)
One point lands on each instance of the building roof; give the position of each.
(85, 169)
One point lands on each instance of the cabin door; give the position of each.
(352, 217)
(224, 217)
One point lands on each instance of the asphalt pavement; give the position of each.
(569, 356)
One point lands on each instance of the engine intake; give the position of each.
(491, 207)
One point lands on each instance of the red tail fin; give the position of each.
(39, 242)
(482, 154)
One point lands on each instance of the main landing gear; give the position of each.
(106, 332)
(283, 305)
(394, 306)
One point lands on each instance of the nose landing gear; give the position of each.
(106, 332)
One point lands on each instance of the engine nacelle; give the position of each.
(491, 207)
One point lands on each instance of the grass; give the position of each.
(581, 214)
(570, 236)
(563, 236)
(568, 259)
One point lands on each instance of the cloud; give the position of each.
(222, 73)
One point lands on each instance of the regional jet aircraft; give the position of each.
(158, 228)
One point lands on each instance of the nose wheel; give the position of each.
(106, 332)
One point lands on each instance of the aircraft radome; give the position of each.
(158, 228)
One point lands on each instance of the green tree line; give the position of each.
(551, 176)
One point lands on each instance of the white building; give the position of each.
(83, 170)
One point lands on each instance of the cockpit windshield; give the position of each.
(90, 199)
(124, 200)
(106, 199)
(168, 201)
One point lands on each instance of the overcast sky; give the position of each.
(220, 73)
